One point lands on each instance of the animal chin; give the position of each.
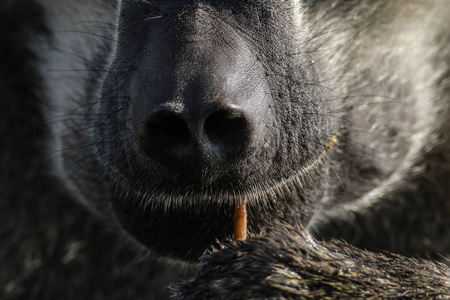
(183, 233)
(184, 226)
(184, 221)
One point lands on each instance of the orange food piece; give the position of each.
(240, 222)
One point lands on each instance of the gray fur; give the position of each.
(398, 60)
(289, 264)
(375, 75)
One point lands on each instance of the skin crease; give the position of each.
(131, 130)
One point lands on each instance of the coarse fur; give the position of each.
(131, 129)
(289, 264)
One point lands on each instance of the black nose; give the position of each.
(219, 133)
(200, 98)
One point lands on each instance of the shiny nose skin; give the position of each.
(216, 134)
(200, 98)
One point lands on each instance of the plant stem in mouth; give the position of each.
(240, 222)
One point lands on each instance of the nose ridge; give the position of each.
(216, 133)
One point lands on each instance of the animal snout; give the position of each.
(212, 134)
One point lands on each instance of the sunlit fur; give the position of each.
(375, 171)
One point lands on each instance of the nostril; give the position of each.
(172, 139)
(165, 132)
(227, 128)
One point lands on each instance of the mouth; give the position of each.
(184, 225)
(181, 233)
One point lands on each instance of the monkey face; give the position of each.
(207, 104)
